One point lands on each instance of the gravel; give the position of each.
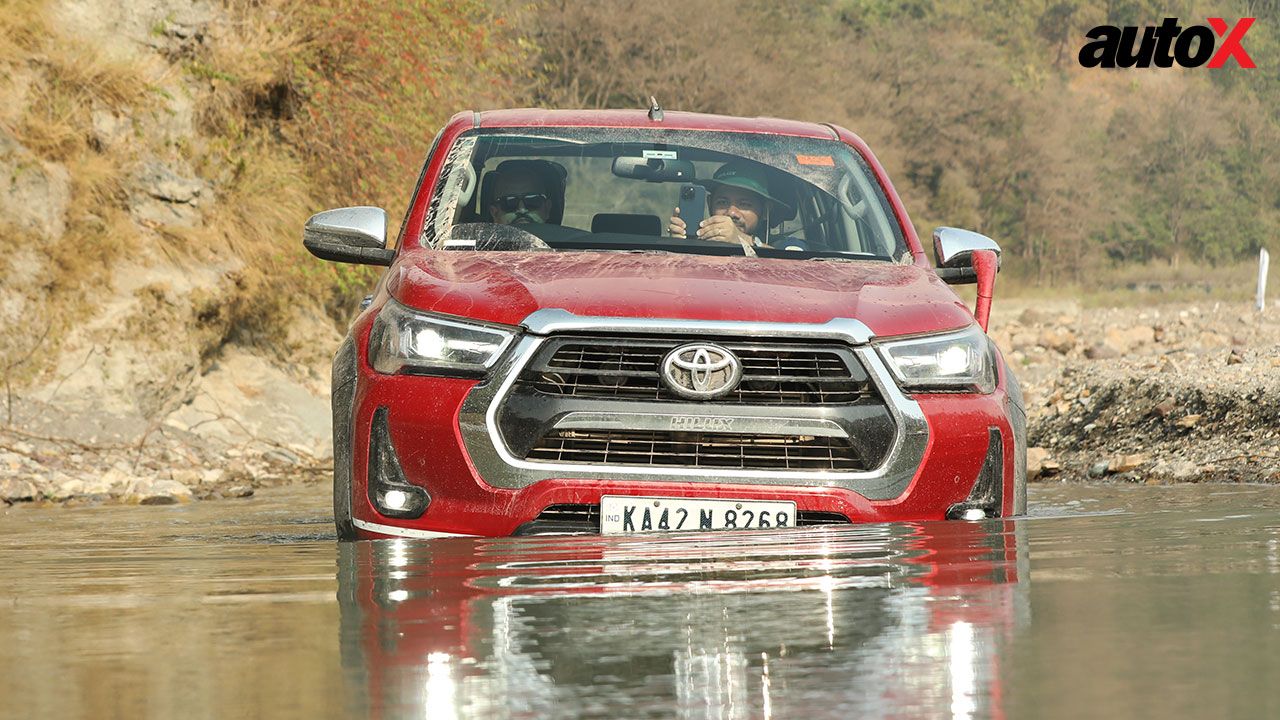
(1153, 394)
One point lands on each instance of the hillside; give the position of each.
(157, 161)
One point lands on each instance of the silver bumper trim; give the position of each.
(699, 423)
(403, 531)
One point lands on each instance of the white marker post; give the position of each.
(1264, 260)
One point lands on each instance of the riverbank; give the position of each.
(1173, 393)
(1185, 392)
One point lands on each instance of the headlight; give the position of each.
(955, 361)
(406, 341)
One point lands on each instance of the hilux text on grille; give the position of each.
(701, 422)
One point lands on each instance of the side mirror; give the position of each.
(953, 249)
(653, 169)
(967, 257)
(350, 235)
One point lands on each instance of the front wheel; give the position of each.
(342, 504)
(344, 388)
(1017, 411)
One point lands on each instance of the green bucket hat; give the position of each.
(747, 176)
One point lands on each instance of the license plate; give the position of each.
(620, 514)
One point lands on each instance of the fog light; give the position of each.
(402, 501)
(974, 514)
(398, 499)
(389, 491)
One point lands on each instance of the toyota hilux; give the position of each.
(626, 322)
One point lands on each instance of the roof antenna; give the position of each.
(655, 112)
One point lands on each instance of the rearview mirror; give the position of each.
(953, 250)
(351, 235)
(653, 169)
(967, 257)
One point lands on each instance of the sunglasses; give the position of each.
(531, 201)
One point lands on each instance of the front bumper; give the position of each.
(443, 434)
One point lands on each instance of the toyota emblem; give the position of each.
(701, 371)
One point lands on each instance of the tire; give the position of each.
(1017, 413)
(342, 520)
(343, 398)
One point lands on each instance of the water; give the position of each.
(1107, 602)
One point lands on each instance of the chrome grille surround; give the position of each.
(498, 467)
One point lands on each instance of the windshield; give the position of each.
(621, 189)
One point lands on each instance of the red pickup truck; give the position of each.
(629, 322)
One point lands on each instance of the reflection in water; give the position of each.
(1148, 602)
(880, 620)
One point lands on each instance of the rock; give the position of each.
(1211, 340)
(1034, 316)
(115, 481)
(153, 491)
(1023, 341)
(1126, 463)
(187, 476)
(281, 456)
(1188, 422)
(1181, 470)
(166, 198)
(68, 488)
(16, 490)
(239, 491)
(1050, 467)
(162, 183)
(1125, 340)
(1098, 469)
(1060, 341)
(1165, 407)
(108, 128)
(1101, 352)
(1035, 461)
(11, 462)
(34, 195)
(1235, 357)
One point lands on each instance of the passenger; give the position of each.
(739, 206)
(527, 191)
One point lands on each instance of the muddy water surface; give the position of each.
(1106, 602)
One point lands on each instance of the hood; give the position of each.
(505, 287)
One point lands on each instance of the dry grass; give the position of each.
(246, 65)
(73, 80)
(23, 27)
(1156, 282)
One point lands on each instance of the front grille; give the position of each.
(586, 518)
(697, 450)
(631, 369)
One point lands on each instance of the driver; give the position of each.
(739, 206)
(527, 191)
